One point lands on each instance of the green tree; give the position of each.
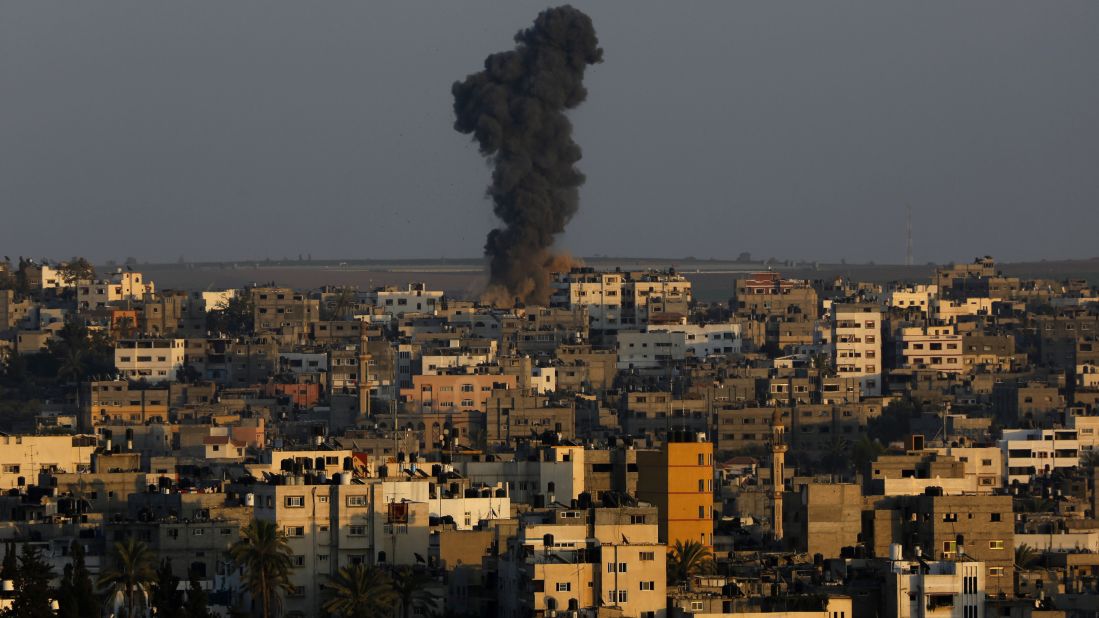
(75, 354)
(1090, 459)
(197, 605)
(340, 305)
(264, 554)
(10, 566)
(1025, 557)
(360, 591)
(76, 269)
(77, 592)
(895, 422)
(837, 455)
(864, 452)
(164, 596)
(233, 317)
(687, 560)
(32, 586)
(131, 575)
(413, 591)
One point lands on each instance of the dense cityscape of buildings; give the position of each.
(807, 449)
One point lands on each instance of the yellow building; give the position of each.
(22, 458)
(679, 480)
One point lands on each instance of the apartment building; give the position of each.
(768, 294)
(284, 313)
(585, 561)
(621, 300)
(120, 286)
(657, 346)
(455, 391)
(515, 414)
(946, 588)
(23, 458)
(150, 360)
(857, 345)
(416, 298)
(918, 297)
(679, 480)
(1032, 452)
(931, 347)
(113, 401)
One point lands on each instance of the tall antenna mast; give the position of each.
(908, 234)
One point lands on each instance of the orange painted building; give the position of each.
(451, 392)
(679, 480)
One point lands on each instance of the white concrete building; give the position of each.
(1087, 431)
(947, 589)
(619, 300)
(152, 360)
(856, 345)
(913, 297)
(415, 299)
(468, 511)
(931, 347)
(22, 458)
(655, 346)
(1032, 452)
(544, 380)
(983, 464)
(303, 362)
(948, 311)
(122, 285)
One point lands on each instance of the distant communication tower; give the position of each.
(908, 235)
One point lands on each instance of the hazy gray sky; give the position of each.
(229, 129)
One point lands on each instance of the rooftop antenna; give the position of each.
(908, 234)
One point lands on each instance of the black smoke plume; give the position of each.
(515, 110)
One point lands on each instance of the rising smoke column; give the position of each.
(515, 110)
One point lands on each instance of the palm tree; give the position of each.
(1090, 459)
(360, 591)
(1025, 557)
(132, 573)
(264, 554)
(412, 589)
(689, 559)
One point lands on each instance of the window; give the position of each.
(997, 544)
(564, 586)
(647, 556)
(995, 571)
(649, 585)
(356, 501)
(994, 517)
(294, 502)
(356, 530)
(295, 531)
(198, 532)
(622, 596)
(297, 561)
